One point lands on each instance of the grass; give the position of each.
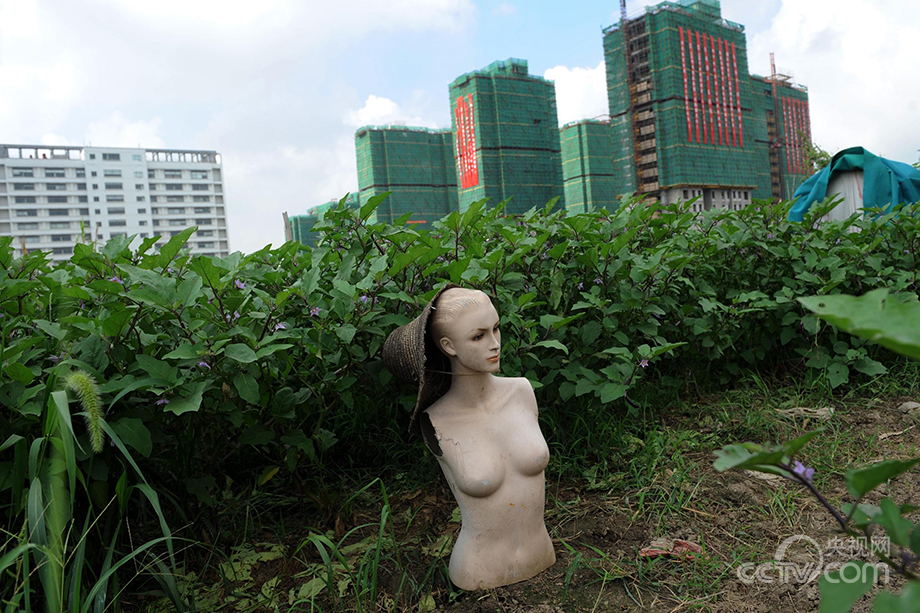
(385, 546)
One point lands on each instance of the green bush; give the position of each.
(225, 372)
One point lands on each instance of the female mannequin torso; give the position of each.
(485, 434)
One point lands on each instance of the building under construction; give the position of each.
(686, 120)
(506, 132)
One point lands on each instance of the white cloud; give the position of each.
(505, 8)
(581, 92)
(857, 59)
(117, 131)
(378, 110)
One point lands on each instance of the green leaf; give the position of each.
(876, 316)
(908, 601)
(158, 369)
(241, 353)
(247, 387)
(837, 374)
(898, 528)
(270, 349)
(346, 332)
(862, 480)
(553, 344)
(612, 391)
(868, 366)
(191, 401)
(18, 372)
(840, 589)
(172, 246)
(133, 432)
(185, 352)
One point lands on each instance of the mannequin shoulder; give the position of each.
(519, 385)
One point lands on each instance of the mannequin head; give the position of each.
(464, 327)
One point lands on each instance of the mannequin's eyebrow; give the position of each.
(486, 329)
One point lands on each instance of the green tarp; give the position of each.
(886, 183)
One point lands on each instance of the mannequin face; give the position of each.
(472, 339)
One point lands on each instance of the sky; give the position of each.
(279, 87)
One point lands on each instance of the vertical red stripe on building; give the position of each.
(738, 98)
(716, 84)
(696, 106)
(712, 125)
(787, 141)
(683, 68)
(702, 89)
(724, 81)
(467, 165)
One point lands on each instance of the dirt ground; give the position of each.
(736, 517)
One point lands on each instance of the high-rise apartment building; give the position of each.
(506, 137)
(415, 164)
(52, 197)
(587, 165)
(687, 117)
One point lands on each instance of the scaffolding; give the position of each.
(415, 164)
(587, 166)
(506, 136)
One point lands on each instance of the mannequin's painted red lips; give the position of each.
(494, 358)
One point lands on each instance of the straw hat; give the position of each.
(411, 355)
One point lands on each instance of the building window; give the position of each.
(141, 211)
(23, 172)
(58, 212)
(142, 222)
(205, 232)
(81, 172)
(117, 223)
(202, 209)
(57, 199)
(31, 225)
(136, 157)
(201, 199)
(60, 238)
(56, 187)
(154, 210)
(114, 186)
(156, 222)
(95, 198)
(24, 199)
(110, 172)
(745, 195)
(141, 198)
(92, 173)
(177, 222)
(26, 213)
(54, 173)
(200, 187)
(95, 186)
(84, 211)
(116, 234)
(199, 174)
(175, 210)
(59, 225)
(33, 239)
(206, 245)
(115, 198)
(111, 157)
(115, 210)
(62, 251)
(173, 187)
(81, 186)
(151, 174)
(81, 198)
(92, 156)
(172, 174)
(138, 174)
(143, 235)
(202, 222)
(153, 198)
(23, 187)
(175, 198)
(139, 186)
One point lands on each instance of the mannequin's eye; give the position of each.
(477, 337)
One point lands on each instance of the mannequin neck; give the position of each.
(473, 389)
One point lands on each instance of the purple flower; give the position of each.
(805, 472)
(232, 318)
(161, 402)
(598, 281)
(581, 285)
(280, 326)
(643, 363)
(314, 311)
(239, 284)
(771, 235)
(363, 299)
(54, 358)
(170, 270)
(204, 364)
(117, 280)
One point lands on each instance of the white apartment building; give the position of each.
(52, 197)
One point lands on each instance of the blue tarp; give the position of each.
(886, 183)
